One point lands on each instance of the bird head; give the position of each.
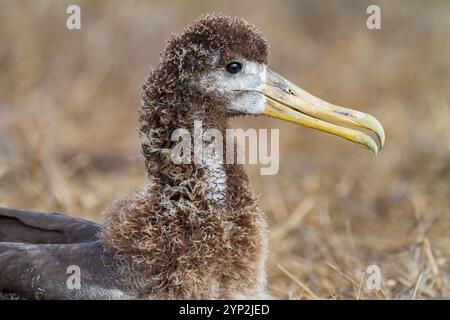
(226, 61)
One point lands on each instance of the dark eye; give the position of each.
(234, 67)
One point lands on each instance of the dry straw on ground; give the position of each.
(68, 102)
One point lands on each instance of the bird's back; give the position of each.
(45, 228)
(40, 253)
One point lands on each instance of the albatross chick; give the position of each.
(194, 231)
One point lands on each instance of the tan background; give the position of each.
(68, 140)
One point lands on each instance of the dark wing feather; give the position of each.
(46, 228)
(41, 271)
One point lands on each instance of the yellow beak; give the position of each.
(288, 102)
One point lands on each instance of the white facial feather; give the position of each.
(244, 87)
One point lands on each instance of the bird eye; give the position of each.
(234, 67)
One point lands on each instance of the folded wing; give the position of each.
(45, 228)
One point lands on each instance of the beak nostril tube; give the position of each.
(289, 91)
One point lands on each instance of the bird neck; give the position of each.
(186, 152)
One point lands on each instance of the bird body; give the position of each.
(36, 250)
(194, 231)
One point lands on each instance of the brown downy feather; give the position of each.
(169, 240)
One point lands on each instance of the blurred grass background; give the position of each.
(68, 141)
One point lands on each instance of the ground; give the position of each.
(337, 214)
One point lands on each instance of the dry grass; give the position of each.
(68, 103)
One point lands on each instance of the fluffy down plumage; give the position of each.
(170, 240)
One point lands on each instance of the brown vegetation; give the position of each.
(68, 140)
